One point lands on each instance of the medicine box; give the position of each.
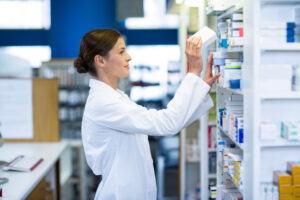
(286, 197)
(268, 131)
(282, 178)
(293, 168)
(286, 189)
(296, 180)
(207, 35)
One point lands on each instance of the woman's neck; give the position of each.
(112, 82)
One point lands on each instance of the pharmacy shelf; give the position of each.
(213, 11)
(278, 96)
(232, 50)
(281, 47)
(279, 144)
(281, 2)
(212, 175)
(233, 91)
(212, 150)
(229, 12)
(225, 133)
(236, 186)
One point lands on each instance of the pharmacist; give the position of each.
(115, 130)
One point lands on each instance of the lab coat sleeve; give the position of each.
(202, 109)
(189, 101)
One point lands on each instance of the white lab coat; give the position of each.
(115, 135)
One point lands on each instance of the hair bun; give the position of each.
(80, 65)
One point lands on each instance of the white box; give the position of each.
(269, 131)
(207, 35)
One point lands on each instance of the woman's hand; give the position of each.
(193, 55)
(209, 78)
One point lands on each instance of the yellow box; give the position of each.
(293, 168)
(297, 189)
(282, 178)
(296, 179)
(296, 197)
(286, 197)
(286, 189)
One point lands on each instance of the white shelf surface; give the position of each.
(281, 47)
(232, 49)
(279, 143)
(229, 12)
(293, 2)
(240, 146)
(234, 91)
(213, 11)
(283, 95)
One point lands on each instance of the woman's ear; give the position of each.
(99, 61)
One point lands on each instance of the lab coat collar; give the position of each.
(105, 88)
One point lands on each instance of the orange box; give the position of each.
(282, 178)
(286, 189)
(293, 168)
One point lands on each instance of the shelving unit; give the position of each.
(73, 91)
(260, 157)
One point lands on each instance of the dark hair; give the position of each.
(95, 42)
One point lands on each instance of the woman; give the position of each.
(115, 130)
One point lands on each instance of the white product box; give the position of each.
(269, 131)
(276, 78)
(237, 17)
(290, 130)
(237, 25)
(273, 25)
(236, 41)
(207, 35)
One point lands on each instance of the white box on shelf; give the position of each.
(268, 131)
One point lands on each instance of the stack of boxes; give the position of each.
(285, 187)
(230, 68)
(294, 169)
(276, 78)
(231, 118)
(231, 31)
(278, 32)
(288, 183)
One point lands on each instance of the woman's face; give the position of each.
(117, 60)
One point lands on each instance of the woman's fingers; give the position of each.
(209, 65)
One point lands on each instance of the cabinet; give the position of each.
(73, 92)
(251, 118)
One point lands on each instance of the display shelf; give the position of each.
(225, 133)
(281, 47)
(232, 50)
(236, 186)
(279, 143)
(280, 2)
(212, 175)
(233, 91)
(283, 95)
(213, 11)
(229, 12)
